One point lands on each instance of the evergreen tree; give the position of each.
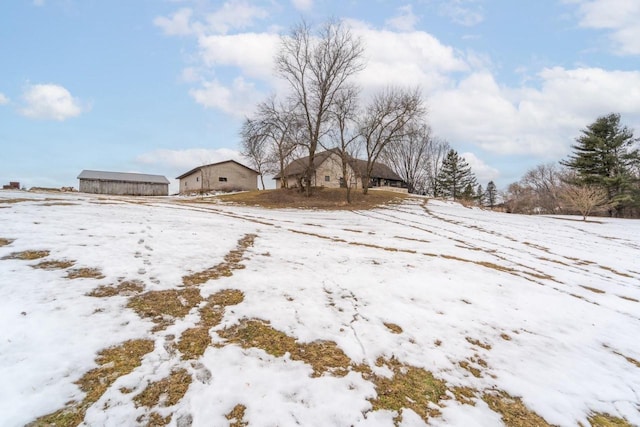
(604, 156)
(491, 194)
(455, 176)
(480, 195)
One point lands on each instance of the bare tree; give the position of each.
(386, 121)
(437, 152)
(317, 69)
(269, 139)
(586, 198)
(256, 147)
(409, 157)
(545, 181)
(343, 136)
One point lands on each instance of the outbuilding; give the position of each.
(123, 184)
(222, 176)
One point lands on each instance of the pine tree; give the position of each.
(604, 156)
(480, 195)
(455, 176)
(492, 193)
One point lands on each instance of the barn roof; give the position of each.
(123, 177)
(196, 169)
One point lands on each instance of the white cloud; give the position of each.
(539, 121)
(179, 24)
(302, 5)
(406, 20)
(3, 99)
(236, 14)
(482, 171)
(463, 12)
(238, 100)
(50, 101)
(621, 17)
(184, 160)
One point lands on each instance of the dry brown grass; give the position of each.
(5, 242)
(85, 273)
(166, 392)
(478, 343)
(505, 337)
(124, 288)
(162, 307)
(322, 198)
(236, 416)
(54, 264)
(470, 368)
(12, 201)
(27, 255)
(594, 290)
(232, 261)
(606, 420)
(628, 298)
(323, 356)
(514, 413)
(464, 395)
(113, 363)
(194, 341)
(409, 387)
(393, 327)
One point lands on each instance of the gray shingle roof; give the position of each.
(122, 176)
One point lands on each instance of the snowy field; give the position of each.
(313, 318)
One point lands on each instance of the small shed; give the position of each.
(123, 184)
(228, 175)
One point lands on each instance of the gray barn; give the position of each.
(123, 184)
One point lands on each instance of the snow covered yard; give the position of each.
(147, 311)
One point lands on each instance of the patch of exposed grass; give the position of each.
(322, 198)
(478, 343)
(27, 255)
(606, 420)
(236, 416)
(232, 261)
(393, 328)
(409, 387)
(514, 413)
(464, 395)
(166, 392)
(594, 290)
(59, 204)
(124, 288)
(470, 368)
(162, 307)
(85, 273)
(194, 341)
(5, 242)
(157, 420)
(505, 337)
(54, 264)
(628, 298)
(323, 356)
(12, 201)
(615, 271)
(113, 363)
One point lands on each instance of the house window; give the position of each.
(197, 178)
(222, 179)
(327, 178)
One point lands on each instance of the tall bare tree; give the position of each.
(386, 120)
(344, 137)
(437, 152)
(586, 198)
(256, 147)
(317, 67)
(409, 157)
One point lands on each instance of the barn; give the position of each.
(228, 175)
(123, 184)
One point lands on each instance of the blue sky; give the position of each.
(157, 86)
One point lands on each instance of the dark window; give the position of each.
(222, 179)
(327, 178)
(197, 178)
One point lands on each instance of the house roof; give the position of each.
(122, 176)
(379, 170)
(196, 169)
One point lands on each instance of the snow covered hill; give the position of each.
(121, 311)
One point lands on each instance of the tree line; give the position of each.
(600, 176)
(324, 109)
